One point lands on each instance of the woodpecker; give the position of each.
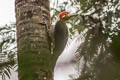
(60, 34)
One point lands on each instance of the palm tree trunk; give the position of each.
(34, 58)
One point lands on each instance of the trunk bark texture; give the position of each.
(34, 57)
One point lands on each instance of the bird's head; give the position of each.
(66, 16)
(63, 14)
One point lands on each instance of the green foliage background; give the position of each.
(8, 50)
(98, 23)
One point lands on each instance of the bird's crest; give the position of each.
(63, 14)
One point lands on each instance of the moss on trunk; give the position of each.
(34, 57)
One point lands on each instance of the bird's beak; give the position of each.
(71, 15)
(68, 13)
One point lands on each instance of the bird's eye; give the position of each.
(63, 16)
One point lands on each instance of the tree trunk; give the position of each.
(34, 57)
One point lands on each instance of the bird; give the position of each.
(60, 35)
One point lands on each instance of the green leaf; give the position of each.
(7, 74)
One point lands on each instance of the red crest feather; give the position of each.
(63, 14)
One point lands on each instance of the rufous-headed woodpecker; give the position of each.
(60, 34)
